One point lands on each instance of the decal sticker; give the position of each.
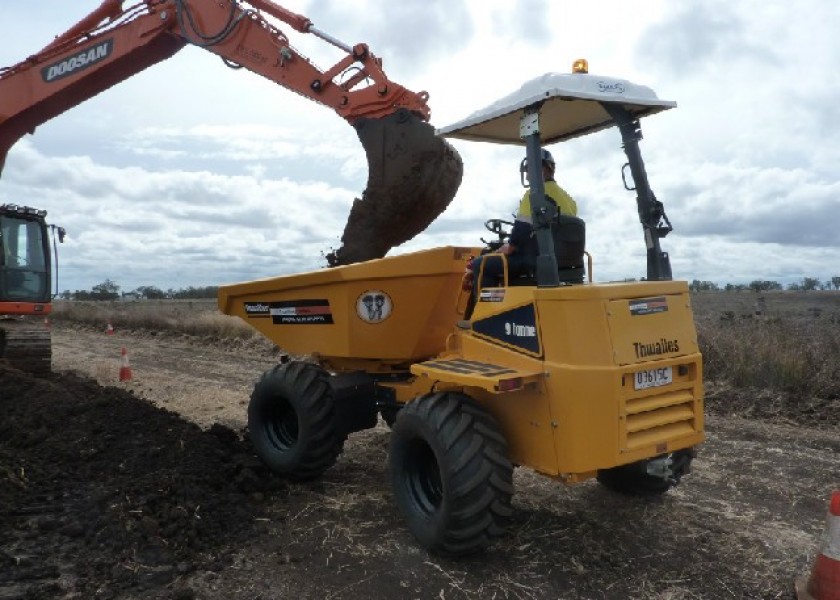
(78, 62)
(257, 309)
(516, 327)
(492, 296)
(648, 306)
(301, 312)
(519, 330)
(374, 306)
(612, 87)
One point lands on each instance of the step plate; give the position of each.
(493, 378)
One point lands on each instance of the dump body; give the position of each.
(392, 311)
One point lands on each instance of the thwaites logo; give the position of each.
(648, 306)
(663, 346)
(78, 62)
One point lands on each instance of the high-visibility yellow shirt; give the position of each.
(565, 204)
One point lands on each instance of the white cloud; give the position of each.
(178, 227)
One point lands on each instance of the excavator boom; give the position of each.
(409, 167)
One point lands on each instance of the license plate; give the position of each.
(652, 378)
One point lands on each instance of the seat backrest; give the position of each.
(569, 241)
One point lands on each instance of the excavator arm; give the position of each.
(413, 175)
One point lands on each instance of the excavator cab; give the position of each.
(25, 291)
(24, 264)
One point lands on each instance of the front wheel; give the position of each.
(452, 478)
(291, 421)
(648, 477)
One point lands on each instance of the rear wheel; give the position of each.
(451, 474)
(648, 477)
(291, 421)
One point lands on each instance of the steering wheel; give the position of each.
(495, 226)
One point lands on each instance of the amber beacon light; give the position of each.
(581, 65)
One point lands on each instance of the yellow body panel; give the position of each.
(585, 414)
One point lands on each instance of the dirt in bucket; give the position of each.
(413, 175)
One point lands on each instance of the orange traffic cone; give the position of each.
(110, 329)
(125, 369)
(824, 583)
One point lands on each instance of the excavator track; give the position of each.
(413, 176)
(26, 345)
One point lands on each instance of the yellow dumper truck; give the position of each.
(571, 378)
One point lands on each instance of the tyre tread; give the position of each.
(306, 387)
(473, 460)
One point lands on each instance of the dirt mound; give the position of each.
(97, 485)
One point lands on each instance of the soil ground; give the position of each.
(148, 489)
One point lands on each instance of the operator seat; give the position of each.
(569, 235)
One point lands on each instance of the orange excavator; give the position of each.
(412, 174)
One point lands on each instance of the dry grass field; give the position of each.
(774, 354)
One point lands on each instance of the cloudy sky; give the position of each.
(191, 173)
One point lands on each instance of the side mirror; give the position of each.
(61, 233)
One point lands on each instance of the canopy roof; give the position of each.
(571, 108)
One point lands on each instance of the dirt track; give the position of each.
(104, 496)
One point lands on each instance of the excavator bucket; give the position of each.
(413, 175)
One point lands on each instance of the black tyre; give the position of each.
(451, 474)
(291, 421)
(634, 479)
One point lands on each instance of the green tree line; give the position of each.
(109, 290)
(806, 284)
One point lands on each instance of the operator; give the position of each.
(521, 249)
